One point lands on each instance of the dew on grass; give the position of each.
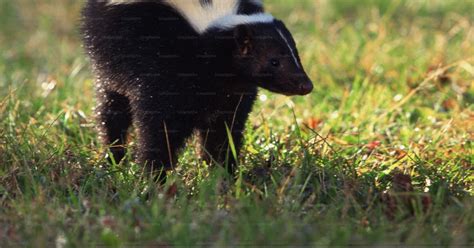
(397, 97)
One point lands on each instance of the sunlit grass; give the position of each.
(394, 95)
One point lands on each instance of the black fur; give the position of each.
(248, 7)
(154, 70)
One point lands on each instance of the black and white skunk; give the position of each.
(173, 67)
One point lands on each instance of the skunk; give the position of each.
(175, 67)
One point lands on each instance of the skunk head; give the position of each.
(266, 54)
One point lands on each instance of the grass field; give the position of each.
(380, 154)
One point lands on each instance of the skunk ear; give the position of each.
(243, 38)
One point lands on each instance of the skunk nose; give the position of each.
(306, 88)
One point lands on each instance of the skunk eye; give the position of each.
(275, 62)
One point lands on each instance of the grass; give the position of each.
(380, 154)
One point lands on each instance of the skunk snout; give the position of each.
(305, 88)
(303, 84)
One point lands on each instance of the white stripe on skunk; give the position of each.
(218, 13)
(289, 47)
